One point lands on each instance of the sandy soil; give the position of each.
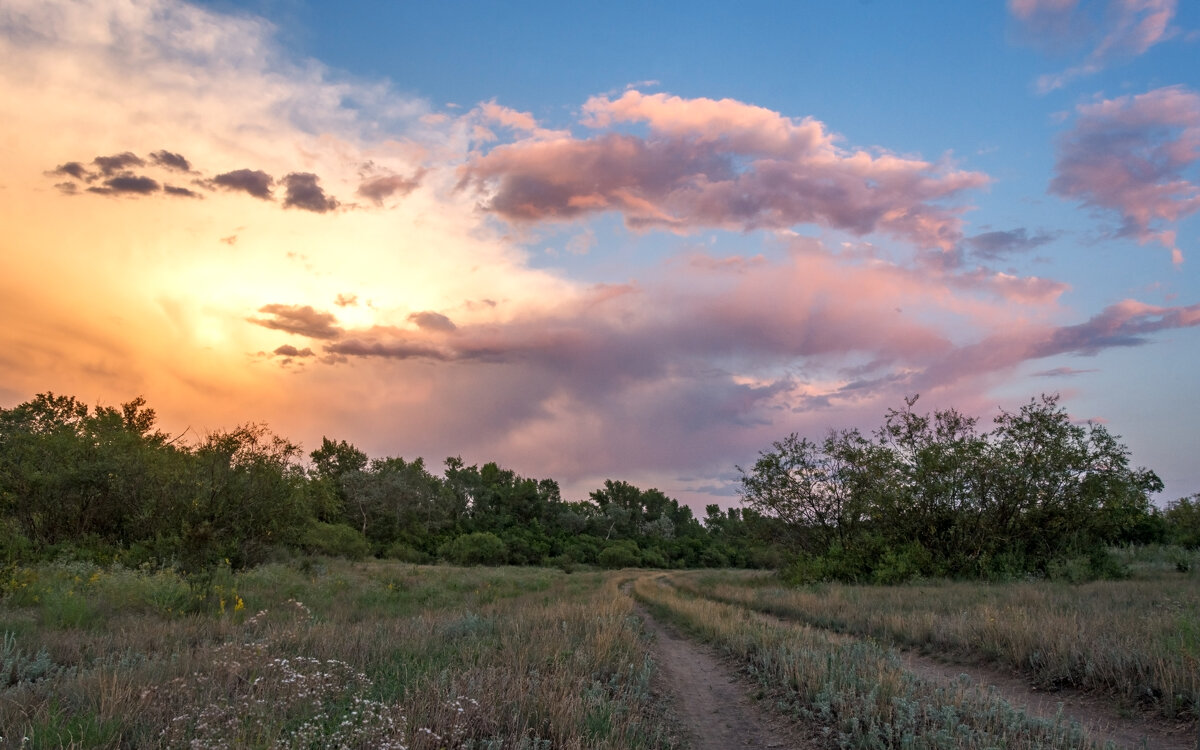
(711, 701)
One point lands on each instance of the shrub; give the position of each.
(653, 558)
(14, 546)
(1183, 521)
(405, 553)
(622, 554)
(902, 565)
(479, 548)
(336, 540)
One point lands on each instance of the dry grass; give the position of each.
(369, 655)
(856, 692)
(1136, 640)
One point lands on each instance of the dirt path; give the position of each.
(716, 707)
(1099, 717)
(712, 702)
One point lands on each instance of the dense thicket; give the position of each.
(931, 495)
(104, 482)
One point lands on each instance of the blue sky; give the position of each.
(607, 240)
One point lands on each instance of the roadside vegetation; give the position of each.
(324, 653)
(1136, 641)
(855, 694)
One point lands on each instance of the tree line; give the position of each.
(925, 495)
(106, 482)
(931, 495)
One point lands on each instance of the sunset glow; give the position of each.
(644, 269)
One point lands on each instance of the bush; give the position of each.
(1095, 565)
(584, 548)
(479, 548)
(653, 558)
(405, 553)
(622, 554)
(1183, 521)
(336, 540)
(14, 546)
(902, 565)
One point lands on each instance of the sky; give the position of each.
(610, 240)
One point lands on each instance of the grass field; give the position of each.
(324, 654)
(1136, 640)
(319, 653)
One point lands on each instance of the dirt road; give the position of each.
(717, 707)
(714, 704)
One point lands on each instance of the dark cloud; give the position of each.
(390, 349)
(1126, 323)
(303, 192)
(127, 184)
(432, 321)
(252, 181)
(171, 161)
(69, 188)
(304, 321)
(110, 165)
(997, 245)
(73, 169)
(377, 189)
(1061, 372)
(287, 350)
(181, 191)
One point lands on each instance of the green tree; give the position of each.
(1183, 521)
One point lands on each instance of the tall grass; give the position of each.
(332, 654)
(1136, 640)
(856, 692)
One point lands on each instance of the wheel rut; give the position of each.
(1099, 717)
(715, 705)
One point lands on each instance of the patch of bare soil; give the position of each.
(714, 704)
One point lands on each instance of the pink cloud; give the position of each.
(1034, 10)
(1125, 29)
(710, 163)
(1135, 155)
(1123, 324)
(884, 327)
(712, 358)
(508, 117)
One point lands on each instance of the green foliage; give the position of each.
(17, 666)
(622, 554)
(14, 546)
(105, 485)
(478, 548)
(653, 558)
(930, 495)
(1183, 521)
(405, 553)
(336, 540)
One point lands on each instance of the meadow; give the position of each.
(1136, 641)
(317, 652)
(324, 653)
